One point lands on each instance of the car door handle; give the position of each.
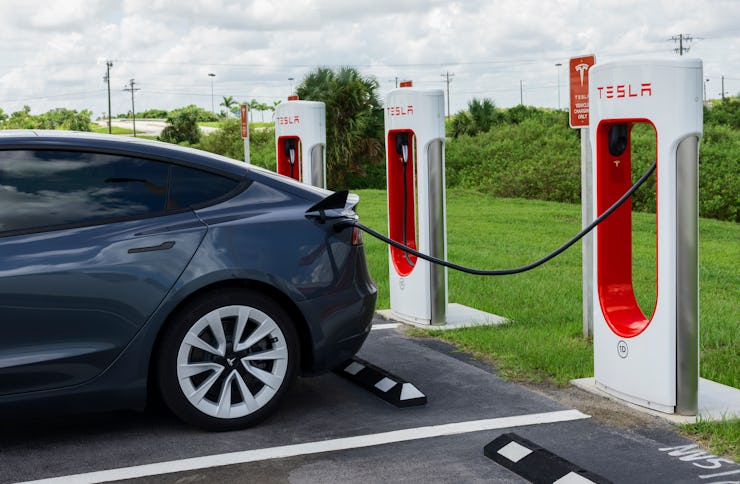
(163, 246)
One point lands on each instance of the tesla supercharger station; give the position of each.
(415, 164)
(300, 141)
(649, 360)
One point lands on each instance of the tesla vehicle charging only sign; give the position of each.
(244, 120)
(578, 69)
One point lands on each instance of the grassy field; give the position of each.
(254, 124)
(544, 340)
(114, 129)
(210, 124)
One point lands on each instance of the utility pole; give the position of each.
(448, 75)
(521, 93)
(108, 65)
(681, 38)
(558, 74)
(130, 87)
(723, 88)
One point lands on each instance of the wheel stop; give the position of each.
(535, 463)
(391, 388)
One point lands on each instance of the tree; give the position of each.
(229, 103)
(253, 105)
(480, 117)
(354, 120)
(22, 119)
(262, 108)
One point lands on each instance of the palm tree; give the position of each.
(229, 102)
(253, 105)
(354, 120)
(263, 107)
(274, 106)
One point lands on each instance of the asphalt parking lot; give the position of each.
(330, 430)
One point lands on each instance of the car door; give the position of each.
(88, 250)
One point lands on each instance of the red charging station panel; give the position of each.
(404, 263)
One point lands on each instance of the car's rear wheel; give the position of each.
(227, 359)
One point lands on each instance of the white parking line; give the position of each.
(384, 326)
(333, 445)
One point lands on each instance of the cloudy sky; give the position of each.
(53, 52)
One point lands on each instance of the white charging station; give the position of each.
(300, 141)
(415, 136)
(649, 360)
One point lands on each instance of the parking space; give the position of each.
(330, 430)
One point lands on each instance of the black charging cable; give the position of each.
(517, 270)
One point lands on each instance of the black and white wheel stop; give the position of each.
(535, 463)
(392, 389)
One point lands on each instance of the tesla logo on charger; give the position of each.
(621, 91)
(400, 110)
(289, 119)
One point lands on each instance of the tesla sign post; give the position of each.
(578, 69)
(245, 131)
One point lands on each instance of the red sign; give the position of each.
(406, 84)
(578, 68)
(245, 122)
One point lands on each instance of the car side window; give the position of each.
(190, 187)
(59, 188)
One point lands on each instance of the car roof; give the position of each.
(116, 144)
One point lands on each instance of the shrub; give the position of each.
(183, 126)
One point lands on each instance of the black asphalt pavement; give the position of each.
(322, 409)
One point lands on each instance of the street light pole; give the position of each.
(558, 66)
(212, 75)
(705, 90)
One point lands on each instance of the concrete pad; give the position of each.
(458, 316)
(715, 401)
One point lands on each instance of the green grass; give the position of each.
(210, 124)
(114, 129)
(723, 438)
(544, 340)
(261, 124)
(252, 124)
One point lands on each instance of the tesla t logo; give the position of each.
(621, 91)
(581, 70)
(289, 119)
(400, 110)
(230, 361)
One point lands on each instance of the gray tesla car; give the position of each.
(129, 267)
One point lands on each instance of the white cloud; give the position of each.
(52, 53)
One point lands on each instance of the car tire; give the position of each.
(226, 359)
